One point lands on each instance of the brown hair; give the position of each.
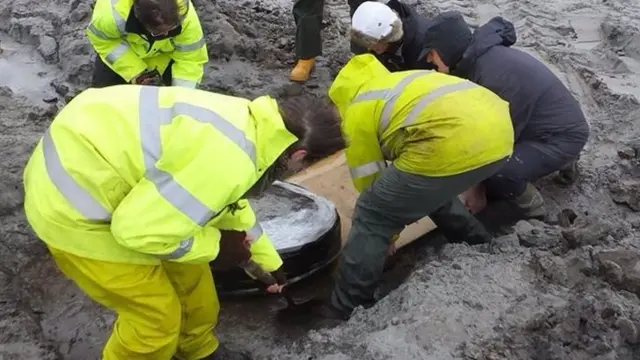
(315, 123)
(155, 13)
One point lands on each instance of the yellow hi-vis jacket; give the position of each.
(425, 122)
(129, 54)
(140, 174)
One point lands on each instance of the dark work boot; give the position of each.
(531, 203)
(568, 174)
(223, 353)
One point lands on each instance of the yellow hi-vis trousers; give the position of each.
(164, 310)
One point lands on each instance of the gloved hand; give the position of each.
(149, 77)
(234, 249)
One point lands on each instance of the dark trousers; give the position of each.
(394, 200)
(103, 76)
(529, 162)
(308, 17)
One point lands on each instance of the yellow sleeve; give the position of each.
(363, 153)
(262, 250)
(190, 54)
(107, 36)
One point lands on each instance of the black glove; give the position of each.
(150, 77)
(280, 276)
(234, 249)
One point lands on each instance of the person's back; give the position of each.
(541, 105)
(113, 154)
(426, 122)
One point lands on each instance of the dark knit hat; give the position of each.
(449, 35)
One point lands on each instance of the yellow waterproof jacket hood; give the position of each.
(140, 174)
(425, 122)
(357, 72)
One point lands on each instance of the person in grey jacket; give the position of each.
(550, 127)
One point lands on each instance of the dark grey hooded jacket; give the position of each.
(542, 108)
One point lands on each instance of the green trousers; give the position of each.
(394, 200)
(308, 17)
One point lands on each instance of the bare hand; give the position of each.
(474, 199)
(275, 289)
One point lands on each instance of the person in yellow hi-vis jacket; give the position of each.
(441, 134)
(134, 204)
(147, 42)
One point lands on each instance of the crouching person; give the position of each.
(441, 134)
(147, 42)
(136, 202)
(550, 127)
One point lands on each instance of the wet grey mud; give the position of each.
(564, 291)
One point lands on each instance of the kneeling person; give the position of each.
(550, 127)
(147, 42)
(442, 134)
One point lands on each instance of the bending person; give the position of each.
(134, 204)
(147, 42)
(394, 32)
(550, 127)
(442, 135)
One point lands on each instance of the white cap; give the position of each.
(374, 19)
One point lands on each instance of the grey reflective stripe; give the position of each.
(179, 197)
(387, 110)
(255, 232)
(75, 194)
(367, 169)
(189, 47)
(184, 83)
(120, 21)
(433, 95)
(211, 117)
(182, 249)
(152, 117)
(97, 32)
(117, 52)
(371, 95)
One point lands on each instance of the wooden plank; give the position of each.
(330, 178)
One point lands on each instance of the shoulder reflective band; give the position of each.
(389, 96)
(367, 169)
(117, 18)
(427, 99)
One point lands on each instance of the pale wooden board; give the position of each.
(330, 178)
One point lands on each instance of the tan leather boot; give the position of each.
(531, 203)
(302, 71)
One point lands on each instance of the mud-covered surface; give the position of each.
(566, 291)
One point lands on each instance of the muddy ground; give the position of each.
(564, 291)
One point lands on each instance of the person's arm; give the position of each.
(363, 153)
(106, 35)
(190, 54)
(172, 216)
(262, 250)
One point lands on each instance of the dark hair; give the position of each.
(315, 123)
(156, 13)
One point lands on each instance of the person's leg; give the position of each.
(394, 200)
(529, 162)
(148, 309)
(103, 76)
(308, 17)
(197, 293)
